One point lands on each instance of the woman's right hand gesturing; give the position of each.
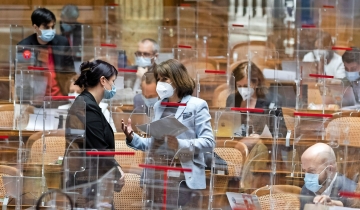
(127, 129)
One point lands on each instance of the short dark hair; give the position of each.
(42, 16)
(92, 71)
(352, 55)
(257, 76)
(179, 76)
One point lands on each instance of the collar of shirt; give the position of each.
(328, 190)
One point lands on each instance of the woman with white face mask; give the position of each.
(323, 53)
(254, 94)
(175, 85)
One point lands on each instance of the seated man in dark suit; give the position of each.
(322, 181)
(53, 51)
(148, 96)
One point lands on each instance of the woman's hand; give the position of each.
(127, 129)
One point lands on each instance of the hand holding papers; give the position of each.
(168, 126)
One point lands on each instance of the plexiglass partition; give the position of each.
(238, 131)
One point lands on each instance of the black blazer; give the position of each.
(235, 99)
(341, 184)
(63, 60)
(98, 132)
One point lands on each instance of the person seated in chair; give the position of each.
(255, 95)
(322, 180)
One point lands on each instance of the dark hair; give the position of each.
(257, 77)
(42, 16)
(92, 71)
(326, 43)
(352, 55)
(179, 76)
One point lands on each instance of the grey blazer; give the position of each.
(196, 140)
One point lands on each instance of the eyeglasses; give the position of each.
(143, 54)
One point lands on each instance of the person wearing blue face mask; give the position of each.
(145, 57)
(148, 96)
(51, 51)
(97, 78)
(74, 32)
(351, 59)
(322, 181)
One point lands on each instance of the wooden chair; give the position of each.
(131, 194)
(6, 171)
(220, 96)
(55, 146)
(234, 160)
(337, 131)
(234, 144)
(263, 48)
(6, 115)
(282, 197)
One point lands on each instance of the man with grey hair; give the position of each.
(69, 26)
(145, 57)
(322, 181)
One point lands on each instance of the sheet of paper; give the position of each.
(266, 133)
(36, 122)
(168, 126)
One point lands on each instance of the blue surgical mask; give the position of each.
(108, 94)
(352, 76)
(143, 62)
(67, 27)
(312, 181)
(149, 102)
(47, 35)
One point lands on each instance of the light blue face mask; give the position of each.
(312, 181)
(352, 76)
(108, 94)
(149, 102)
(67, 27)
(143, 62)
(47, 35)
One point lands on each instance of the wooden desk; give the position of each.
(16, 133)
(53, 173)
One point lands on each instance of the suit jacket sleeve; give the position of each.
(204, 141)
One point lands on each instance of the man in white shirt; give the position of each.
(323, 53)
(322, 181)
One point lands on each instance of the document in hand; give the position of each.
(167, 126)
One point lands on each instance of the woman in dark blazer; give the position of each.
(97, 78)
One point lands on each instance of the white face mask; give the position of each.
(73, 94)
(149, 102)
(143, 62)
(246, 92)
(164, 90)
(319, 53)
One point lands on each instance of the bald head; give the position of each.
(318, 155)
